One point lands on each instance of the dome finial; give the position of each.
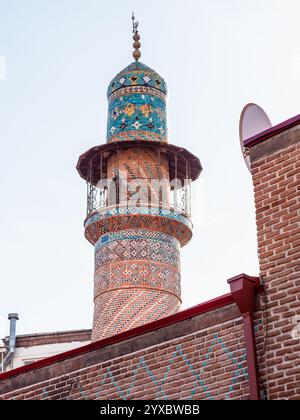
(136, 37)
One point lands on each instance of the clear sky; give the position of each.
(60, 55)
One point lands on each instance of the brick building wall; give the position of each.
(275, 161)
(200, 357)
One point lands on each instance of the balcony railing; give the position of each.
(174, 196)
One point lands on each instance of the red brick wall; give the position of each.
(276, 178)
(207, 362)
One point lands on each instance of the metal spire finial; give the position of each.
(136, 37)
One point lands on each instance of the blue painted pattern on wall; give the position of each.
(197, 371)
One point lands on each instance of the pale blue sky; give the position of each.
(60, 55)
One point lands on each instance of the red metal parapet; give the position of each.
(243, 292)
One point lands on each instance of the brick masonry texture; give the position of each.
(141, 163)
(122, 309)
(276, 179)
(200, 358)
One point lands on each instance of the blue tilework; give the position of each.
(168, 213)
(137, 135)
(137, 112)
(137, 74)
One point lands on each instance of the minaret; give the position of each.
(138, 204)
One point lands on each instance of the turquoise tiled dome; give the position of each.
(137, 74)
(137, 105)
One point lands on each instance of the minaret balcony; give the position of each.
(104, 198)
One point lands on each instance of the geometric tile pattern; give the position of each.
(137, 249)
(144, 211)
(137, 274)
(128, 90)
(131, 135)
(98, 226)
(141, 261)
(137, 74)
(136, 234)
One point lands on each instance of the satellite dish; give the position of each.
(253, 121)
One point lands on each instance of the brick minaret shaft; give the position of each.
(137, 242)
(137, 267)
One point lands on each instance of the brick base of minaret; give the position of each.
(137, 280)
(124, 309)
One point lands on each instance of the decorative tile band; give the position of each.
(137, 275)
(98, 228)
(138, 136)
(137, 111)
(137, 249)
(137, 89)
(116, 211)
(136, 234)
(137, 74)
